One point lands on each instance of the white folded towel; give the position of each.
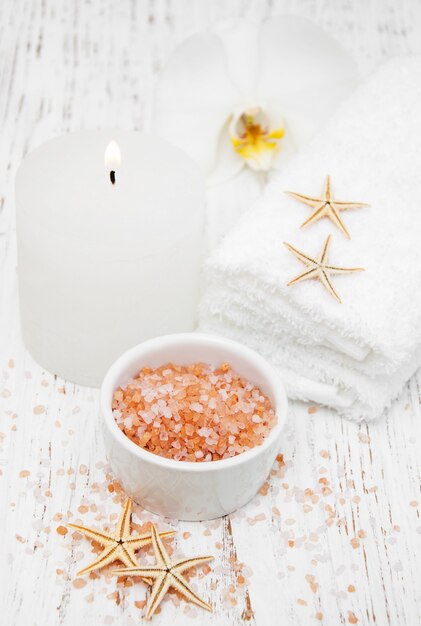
(354, 356)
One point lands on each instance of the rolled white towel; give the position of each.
(370, 344)
(309, 376)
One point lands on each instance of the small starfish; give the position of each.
(319, 268)
(166, 574)
(120, 545)
(326, 206)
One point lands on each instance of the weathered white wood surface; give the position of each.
(336, 539)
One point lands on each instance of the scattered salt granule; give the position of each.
(193, 413)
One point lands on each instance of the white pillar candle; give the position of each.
(109, 247)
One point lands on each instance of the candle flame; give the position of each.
(112, 156)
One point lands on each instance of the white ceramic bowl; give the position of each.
(181, 489)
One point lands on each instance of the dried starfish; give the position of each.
(166, 574)
(319, 268)
(326, 206)
(120, 545)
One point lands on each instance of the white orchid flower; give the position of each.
(249, 96)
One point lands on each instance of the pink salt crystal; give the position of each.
(163, 435)
(146, 416)
(150, 395)
(210, 412)
(166, 412)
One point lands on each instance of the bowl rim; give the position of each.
(275, 382)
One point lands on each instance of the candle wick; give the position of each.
(112, 177)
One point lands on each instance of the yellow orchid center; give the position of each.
(254, 140)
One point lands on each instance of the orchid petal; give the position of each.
(226, 203)
(240, 39)
(228, 163)
(305, 70)
(288, 145)
(194, 98)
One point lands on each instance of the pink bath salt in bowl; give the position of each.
(174, 487)
(195, 412)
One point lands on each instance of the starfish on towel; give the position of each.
(319, 268)
(166, 574)
(120, 545)
(326, 206)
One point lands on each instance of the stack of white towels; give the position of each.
(356, 356)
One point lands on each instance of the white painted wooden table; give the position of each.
(336, 539)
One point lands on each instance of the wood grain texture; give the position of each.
(335, 536)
